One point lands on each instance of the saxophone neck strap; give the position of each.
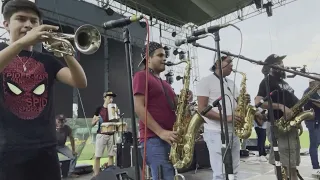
(169, 100)
(226, 84)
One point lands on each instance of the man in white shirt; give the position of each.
(208, 90)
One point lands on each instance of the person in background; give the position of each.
(64, 131)
(283, 99)
(260, 128)
(313, 128)
(103, 140)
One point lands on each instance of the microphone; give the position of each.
(208, 108)
(178, 78)
(121, 22)
(189, 39)
(210, 29)
(264, 99)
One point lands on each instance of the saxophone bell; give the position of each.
(285, 125)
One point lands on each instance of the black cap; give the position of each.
(109, 93)
(272, 59)
(153, 46)
(60, 117)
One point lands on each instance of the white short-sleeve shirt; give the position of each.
(209, 86)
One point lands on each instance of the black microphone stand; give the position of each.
(223, 135)
(126, 40)
(226, 149)
(272, 128)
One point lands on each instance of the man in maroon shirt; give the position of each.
(161, 107)
(103, 140)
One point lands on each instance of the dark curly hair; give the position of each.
(9, 7)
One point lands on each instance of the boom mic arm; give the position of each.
(210, 29)
(121, 22)
(302, 69)
(189, 39)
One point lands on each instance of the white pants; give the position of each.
(213, 141)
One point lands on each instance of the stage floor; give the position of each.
(250, 169)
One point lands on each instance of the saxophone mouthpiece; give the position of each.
(169, 63)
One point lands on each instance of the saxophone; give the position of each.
(244, 110)
(186, 126)
(298, 115)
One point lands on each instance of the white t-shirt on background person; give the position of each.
(209, 86)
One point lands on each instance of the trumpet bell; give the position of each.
(87, 39)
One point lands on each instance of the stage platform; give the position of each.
(250, 169)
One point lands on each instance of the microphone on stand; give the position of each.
(121, 22)
(208, 108)
(302, 69)
(210, 29)
(178, 78)
(189, 39)
(264, 99)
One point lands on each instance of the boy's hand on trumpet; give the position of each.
(37, 34)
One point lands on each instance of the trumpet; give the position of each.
(87, 40)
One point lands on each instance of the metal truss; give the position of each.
(3, 35)
(183, 31)
(246, 13)
(179, 70)
(168, 26)
(122, 9)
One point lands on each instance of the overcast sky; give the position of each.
(293, 30)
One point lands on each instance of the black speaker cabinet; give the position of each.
(116, 174)
(202, 155)
(64, 166)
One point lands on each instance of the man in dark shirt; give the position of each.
(64, 131)
(27, 122)
(313, 128)
(103, 140)
(283, 99)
